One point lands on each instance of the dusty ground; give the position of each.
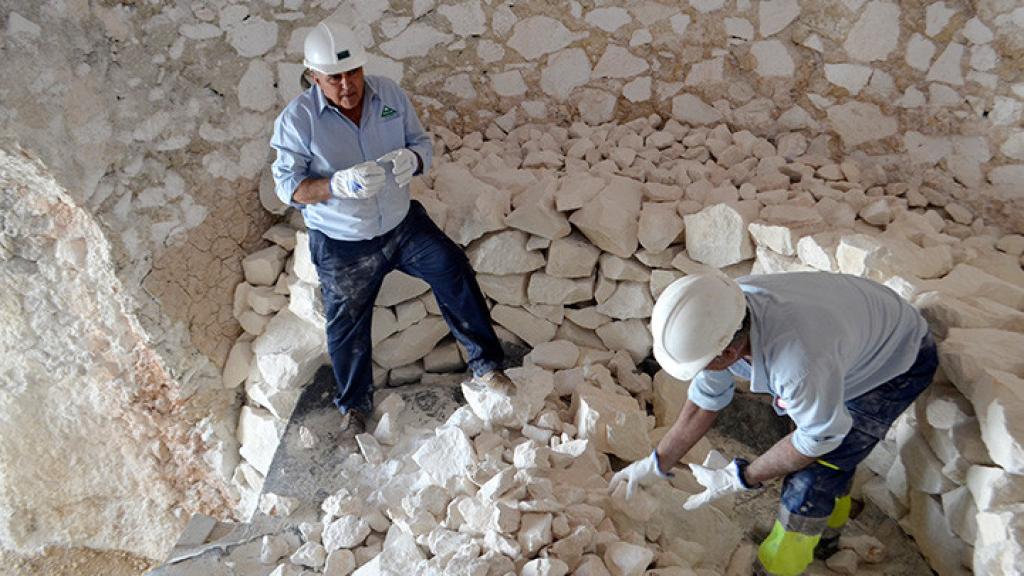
(74, 562)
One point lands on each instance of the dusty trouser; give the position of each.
(815, 500)
(351, 274)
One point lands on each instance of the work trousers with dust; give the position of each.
(815, 500)
(351, 274)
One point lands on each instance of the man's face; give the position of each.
(728, 357)
(344, 90)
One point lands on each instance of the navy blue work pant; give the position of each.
(351, 274)
(812, 491)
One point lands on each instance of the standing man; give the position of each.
(346, 150)
(841, 355)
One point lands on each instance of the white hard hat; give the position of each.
(332, 48)
(694, 320)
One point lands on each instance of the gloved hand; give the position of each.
(639, 473)
(360, 181)
(404, 163)
(719, 478)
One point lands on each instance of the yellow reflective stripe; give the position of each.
(828, 465)
(787, 553)
(841, 512)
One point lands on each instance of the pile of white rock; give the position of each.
(575, 231)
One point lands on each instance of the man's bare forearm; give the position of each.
(691, 425)
(779, 460)
(313, 191)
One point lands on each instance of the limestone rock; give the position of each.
(263, 267)
(540, 218)
(555, 355)
(611, 219)
(571, 257)
(630, 335)
(289, 351)
(615, 268)
(504, 253)
(717, 236)
(496, 407)
(346, 532)
(544, 289)
(509, 289)
(615, 423)
(523, 324)
(258, 435)
(630, 300)
(624, 559)
(446, 456)
(545, 567)
(410, 345)
(399, 287)
(474, 207)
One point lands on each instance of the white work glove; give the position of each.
(719, 477)
(403, 163)
(360, 181)
(640, 473)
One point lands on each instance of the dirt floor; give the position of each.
(74, 562)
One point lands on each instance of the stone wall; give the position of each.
(154, 117)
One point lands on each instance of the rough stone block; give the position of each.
(544, 289)
(630, 300)
(504, 253)
(510, 289)
(399, 287)
(555, 355)
(446, 456)
(629, 335)
(572, 257)
(718, 236)
(531, 329)
(259, 437)
(660, 225)
(410, 345)
(611, 219)
(615, 423)
(263, 267)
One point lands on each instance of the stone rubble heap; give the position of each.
(575, 231)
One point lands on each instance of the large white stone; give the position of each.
(625, 559)
(630, 300)
(876, 33)
(259, 436)
(852, 77)
(289, 352)
(919, 52)
(773, 59)
(998, 400)
(931, 533)
(474, 207)
(565, 71)
(614, 422)
(545, 567)
(608, 19)
(446, 456)
(411, 344)
(544, 289)
(860, 122)
(632, 336)
(690, 109)
(509, 289)
(415, 41)
(717, 236)
(399, 287)
(536, 36)
(497, 407)
(504, 253)
(774, 15)
(263, 267)
(540, 218)
(618, 62)
(611, 220)
(530, 328)
(572, 257)
(660, 225)
(947, 67)
(555, 355)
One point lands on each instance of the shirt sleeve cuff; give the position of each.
(707, 402)
(814, 447)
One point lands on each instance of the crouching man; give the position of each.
(842, 356)
(347, 148)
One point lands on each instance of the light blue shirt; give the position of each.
(817, 340)
(314, 140)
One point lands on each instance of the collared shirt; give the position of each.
(817, 340)
(314, 139)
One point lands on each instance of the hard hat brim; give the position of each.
(331, 69)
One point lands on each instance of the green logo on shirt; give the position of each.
(388, 112)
